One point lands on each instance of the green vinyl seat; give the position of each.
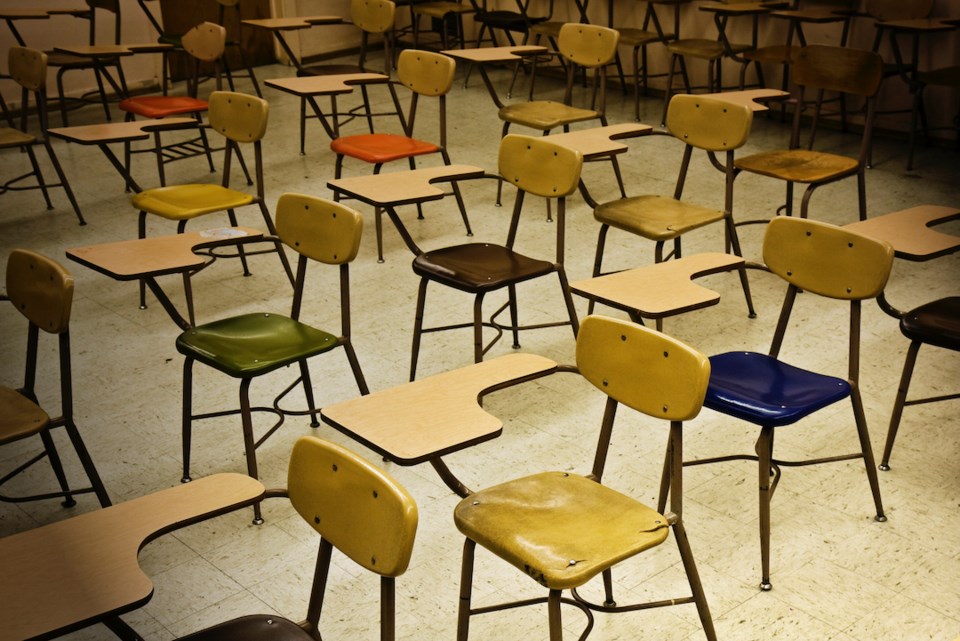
(254, 344)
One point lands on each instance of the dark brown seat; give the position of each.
(534, 165)
(938, 324)
(478, 267)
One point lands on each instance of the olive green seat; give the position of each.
(563, 529)
(251, 345)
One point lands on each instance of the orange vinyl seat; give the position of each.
(383, 148)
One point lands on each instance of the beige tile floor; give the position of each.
(837, 574)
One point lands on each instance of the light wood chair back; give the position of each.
(373, 16)
(206, 41)
(318, 228)
(28, 67)
(41, 289)
(827, 260)
(425, 72)
(239, 117)
(840, 69)
(355, 506)
(709, 123)
(538, 166)
(588, 45)
(643, 369)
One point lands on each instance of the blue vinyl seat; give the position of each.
(820, 260)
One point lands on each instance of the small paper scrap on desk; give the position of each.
(223, 232)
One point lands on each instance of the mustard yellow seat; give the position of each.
(822, 68)
(42, 291)
(581, 46)
(251, 345)
(563, 529)
(699, 122)
(589, 46)
(359, 511)
(186, 202)
(240, 119)
(28, 68)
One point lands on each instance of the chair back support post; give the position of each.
(675, 454)
(603, 440)
(319, 587)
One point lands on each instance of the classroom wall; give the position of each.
(144, 70)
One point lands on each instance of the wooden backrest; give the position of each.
(28, 67)
(318, 228)
(899, 9)
(588, 45)
(238, 116)
(206, 41)
(425, 72)
(827, 260)
(373, 16)
(41, 289)
(839, 69)
(357, 507)
(709, 123)
(538, 166)
(641, 368)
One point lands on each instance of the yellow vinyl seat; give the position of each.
(242, 120)
(563, 529)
